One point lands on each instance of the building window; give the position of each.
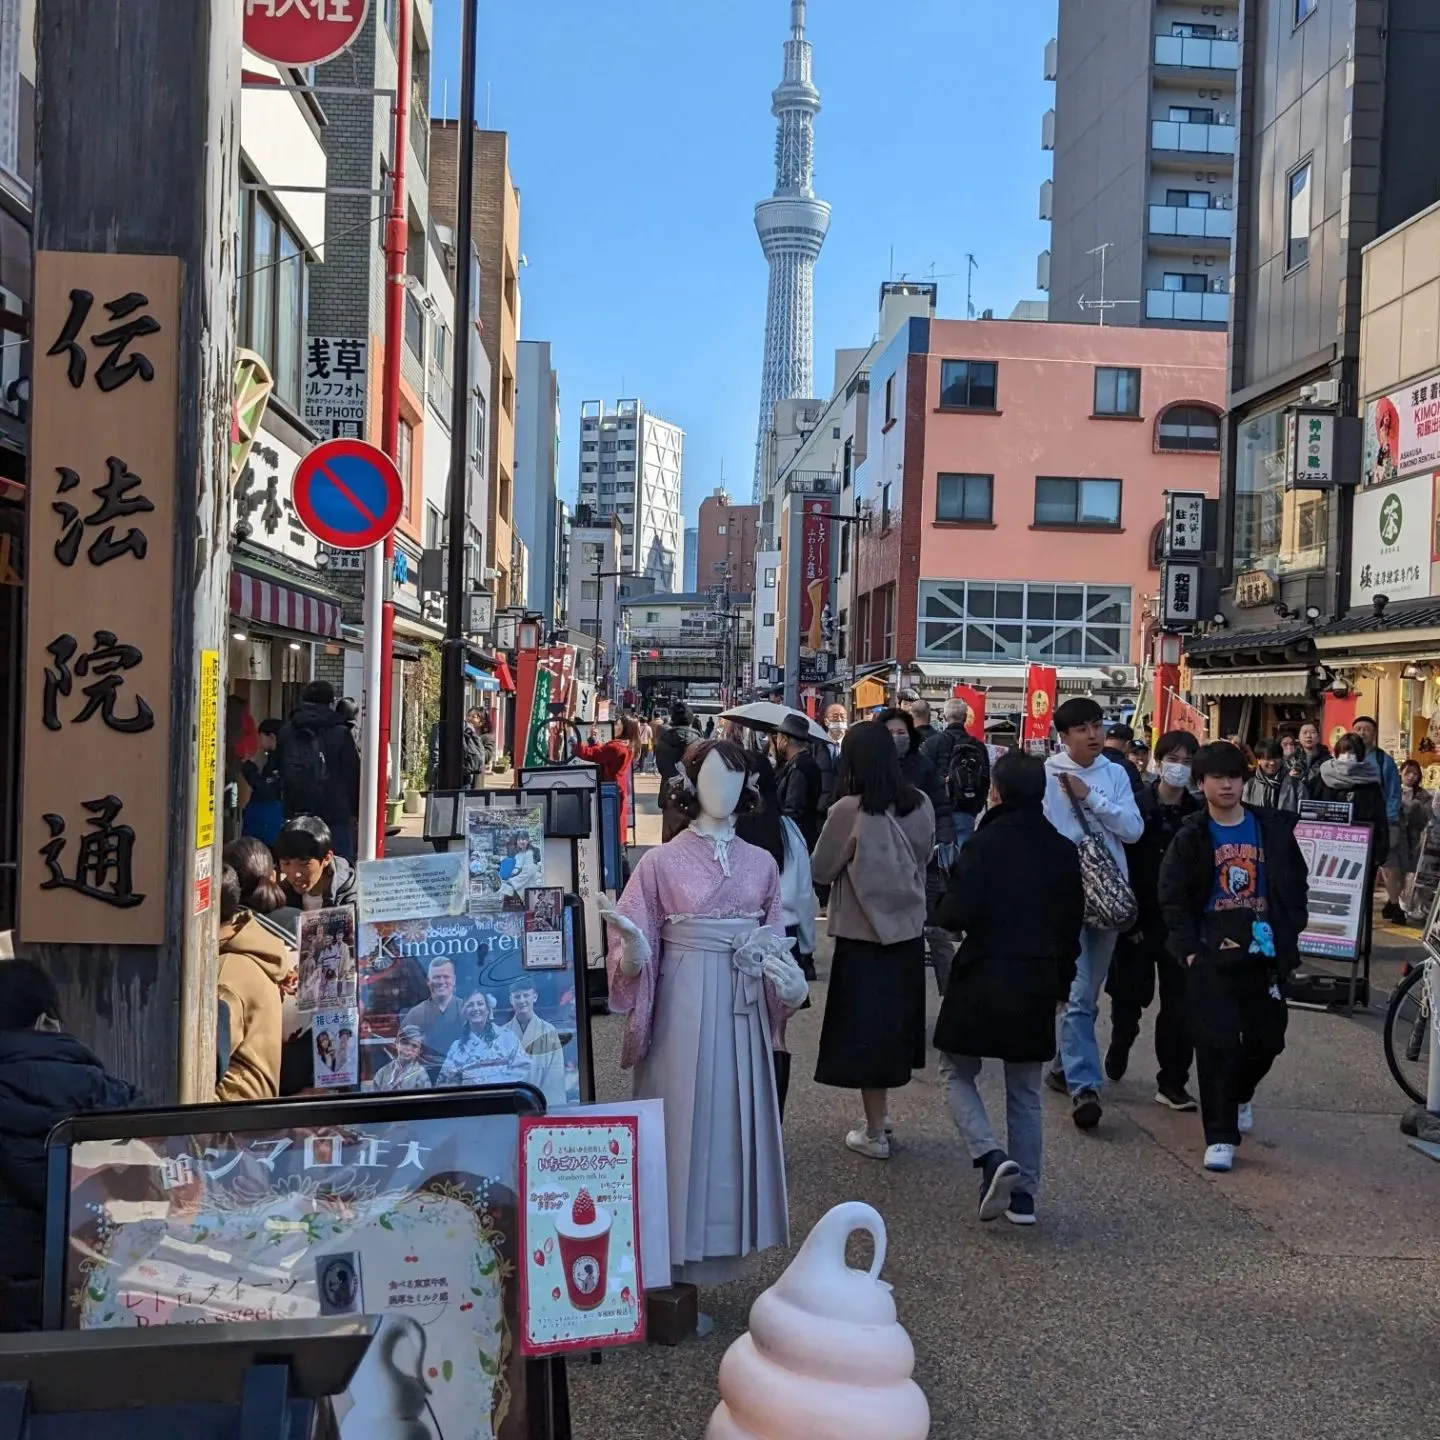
(769, 577)
(719, 529)
(405, 460)
(272, 292)
(434, 528)
(589, 589)
(414, 327)
(588, 448)
(1188, 427)
(862, 627)
(1183, 282)
(1189, 30)
(507, 391)
(767, 619)
(1297, 218)
(1284, 531)
(1192, 115)
(1189, 199)
(1304, 9)
(887, 629)
(968, 384)
(890, 401)
(842, 634)
(966, 499)
(884, 507)
(1055, 624)
(607, 467)
(847, 464)
(1061, 502)
(1117, 392)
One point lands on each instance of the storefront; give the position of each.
(1251, 684)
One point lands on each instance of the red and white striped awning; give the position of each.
(269, 603)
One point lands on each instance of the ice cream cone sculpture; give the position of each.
(825, 1358)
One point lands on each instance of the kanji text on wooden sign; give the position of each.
(104, 408)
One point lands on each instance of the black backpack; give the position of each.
(967, 781)
(303, 772)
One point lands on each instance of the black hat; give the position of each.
(795, 726)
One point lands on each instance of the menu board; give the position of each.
(1337, 858)
(580, 1272)
(416, 1220)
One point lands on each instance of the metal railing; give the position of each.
(1210, 306)
(1191, 222)
(812, 482)
(1192, 139)
(1194, 54)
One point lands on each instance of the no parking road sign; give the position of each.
(348, 494)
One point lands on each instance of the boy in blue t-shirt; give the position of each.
(1233, 890)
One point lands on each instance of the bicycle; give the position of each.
(1407, 1033)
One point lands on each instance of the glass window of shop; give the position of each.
(1284, 531)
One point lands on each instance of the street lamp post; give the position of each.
(601, 576)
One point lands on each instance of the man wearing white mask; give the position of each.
(1165, 802)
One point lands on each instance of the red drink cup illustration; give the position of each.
(584, 1238)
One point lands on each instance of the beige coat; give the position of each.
(875, 867)
(252, 963)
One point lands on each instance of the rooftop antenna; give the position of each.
(1102, 305)
(487, 104)
(971, 266)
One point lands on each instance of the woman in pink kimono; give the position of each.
(700, 964)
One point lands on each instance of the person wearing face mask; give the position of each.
(797, 777)
(1141, 956)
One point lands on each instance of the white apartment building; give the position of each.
(632, 467)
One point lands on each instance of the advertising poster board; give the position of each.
(505, 847)
(580, 1281)
(1402, 432)
(406, 1209)
(1337, 858)
(325, 940)
(461, 983)
(408, 887)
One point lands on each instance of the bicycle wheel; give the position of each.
(1407, 1035)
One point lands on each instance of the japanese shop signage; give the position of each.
(303, 32)
(1311, 445)
(1402, 432)
(336, 377)
(1184, 524)
(1255, 587)
(817, 621)
(105, 411)
(1390, 548)
(1041, 683)
(1180, 594)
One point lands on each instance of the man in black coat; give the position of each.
(319, 764)
(1012, 974)
(964, 766)
(1118, 739)
(1141, 954)
(797, 777)
(45, 1077)
(1234, 892)
(672, 742)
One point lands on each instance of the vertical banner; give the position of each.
(1040, 686)
(1337, 716)
(207, 754)
(975, 699)
(537, 752)
(1183, 716)
(100, 598)
(817, 624)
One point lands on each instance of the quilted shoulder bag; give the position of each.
(1109, 900)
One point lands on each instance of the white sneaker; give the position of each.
(1219, 1157)
(863, 1143)
(1246, 1121)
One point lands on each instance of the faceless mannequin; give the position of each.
(718, 790)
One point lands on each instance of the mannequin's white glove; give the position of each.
(634, 947)
(787, 978)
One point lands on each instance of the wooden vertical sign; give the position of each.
(100, 596)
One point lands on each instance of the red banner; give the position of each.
(815, 619)
(975, 699)
(1040, 685)
(1337, 717)
(1183, 716)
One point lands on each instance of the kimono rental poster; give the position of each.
(505, 846)
(416, 1221)
(448, 1001)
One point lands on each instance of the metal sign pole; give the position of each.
(370, 733)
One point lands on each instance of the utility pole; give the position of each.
(132, 381)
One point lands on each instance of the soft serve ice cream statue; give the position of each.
(825, 1358)
(702, 914)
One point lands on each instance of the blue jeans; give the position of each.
(964, 830)
(1079, 1053)
(1023, 1113)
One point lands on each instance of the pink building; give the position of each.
(1015, 475)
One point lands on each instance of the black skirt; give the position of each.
(873, 1034)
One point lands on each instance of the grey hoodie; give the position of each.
(1344, 772)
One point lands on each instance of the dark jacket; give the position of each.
(1364, 790)
(1187, 881)
(940, 749)
(339, 798)
(340, 890)
(1120, 758)
(1144, 858)
(797, 783)
(925, 733)
(919, 769)
(1303, 772)
(264, 781)
(1268, 792)
(1017, 958)
(44, 1079)
(670, 747)
(824, 756)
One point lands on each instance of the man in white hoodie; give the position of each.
(1081, 773)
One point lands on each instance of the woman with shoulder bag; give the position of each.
(877, 841)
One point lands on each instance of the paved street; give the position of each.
(1293, 1297)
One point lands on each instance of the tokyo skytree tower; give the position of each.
(792, 226)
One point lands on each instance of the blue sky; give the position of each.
(642, 138)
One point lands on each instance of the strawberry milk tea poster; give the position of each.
(580, 1276)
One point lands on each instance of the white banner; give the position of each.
(1392, 534)
(1402, 432)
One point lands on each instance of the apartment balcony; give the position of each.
(1047, 130)
(1177, 52)
(1047, 198)
(1182, 138)
(1180, 228)
(1042, 270)
(1201, 307)
(812, 482)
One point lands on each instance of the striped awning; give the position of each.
(1259, 684)
(267, 602)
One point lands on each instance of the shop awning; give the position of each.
(1263, 684)
(268, 602)
(481, 679)
(502, 674)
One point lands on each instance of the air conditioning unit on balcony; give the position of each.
(1123, 677)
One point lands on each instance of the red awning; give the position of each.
(502, 674)
(269, 603)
